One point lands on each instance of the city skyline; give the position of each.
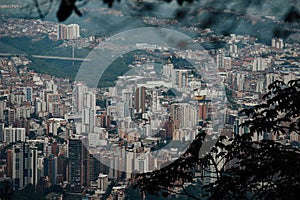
(91, 139)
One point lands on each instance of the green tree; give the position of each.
(28, 193)
(242, 168)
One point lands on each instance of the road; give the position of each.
(47, 57)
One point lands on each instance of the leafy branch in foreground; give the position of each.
(239, 168)
(280, 113)
(175, 175)
(67, 7)
(262, 170)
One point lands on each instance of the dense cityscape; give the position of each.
(92, 141)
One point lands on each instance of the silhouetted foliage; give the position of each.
(55, 189)
(281, 107)
(216, 7)
(66, 8)
(27, 193)
(176, 174)
(293, 15)
(263, 170)
(239, 168)
(6, 189)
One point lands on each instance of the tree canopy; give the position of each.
(67, 7)
(240, 167)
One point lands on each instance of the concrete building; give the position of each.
(258, 65)
(68, 32)
(184, 115)
(14, 134)
(140, 99)
(78, 163)
(23, 164)
(180, 78)
(277, 43)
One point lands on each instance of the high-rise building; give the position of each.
(54, 105)
(223, 62)
(56, 109)
(14, 134)
(168, 128)
(102, 120)
(28, 93)
(61, 32)
(88, 112)
(73, 31)
(270, 78)
(184, 115)
(94, 168)
(40, 106)
(23, 123)
(168, 70)
(9, 163)
(258, 65)
(32, 160)
(220, 61)
(202, 114)
(277, 43)
(79, 163)
(260, 86)
(51, 87)
(143, 163)
(2, 107)
(239, 81)
(78, 96)
(52, 98)
(227, 62)
(84, 102)
(180, 78)
(130, 156)
(233, 50)
(68, 32)
(140, 99)
(2, 132)
(102, 182)
(156, 106)
(127, 96)
(50, 168)
(9, 116)
(23, 165)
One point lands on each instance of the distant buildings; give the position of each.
(78, 163)
(49, 120)
(102, 182)
(140, 99)
(223, 62)
(10, 134)
(277, 43)
(28, 93)
(180, 78)
(84, 101)
(184, 115)
(233, 50)
(22, 165)
(13, 134)
(68, 32)
(168, 70)
(258, 65)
